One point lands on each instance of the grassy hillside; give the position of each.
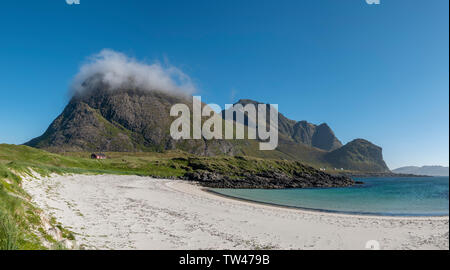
(170, 164)
(21, 224)
(20, 158)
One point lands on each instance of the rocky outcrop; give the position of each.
(246, 172)
(269, 180)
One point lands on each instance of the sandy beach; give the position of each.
(131, 212)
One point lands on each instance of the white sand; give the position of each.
(130, 212)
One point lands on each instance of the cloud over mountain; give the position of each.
(117, 71)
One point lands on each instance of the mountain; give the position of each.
(424, 170)
(317, 144)
(358, 155)
(135, 120)
(128, 120)
(320, 136)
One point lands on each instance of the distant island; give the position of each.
(424, 170)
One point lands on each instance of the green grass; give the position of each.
(22, 158)
(18, 218)
(240, 165)
(8, 232)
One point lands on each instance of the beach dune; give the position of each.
(131, 212)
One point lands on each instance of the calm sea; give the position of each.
(427, 196)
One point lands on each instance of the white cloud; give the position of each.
(119, 71)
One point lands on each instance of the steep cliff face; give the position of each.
(358, 155)
(82, 128)
(325, 139)
(318, 136)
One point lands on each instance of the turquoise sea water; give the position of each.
(427, 196)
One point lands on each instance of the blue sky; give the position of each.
(379, 72)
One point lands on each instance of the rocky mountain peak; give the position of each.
(132, 120)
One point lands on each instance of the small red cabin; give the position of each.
(98, 156)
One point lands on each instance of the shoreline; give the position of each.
(312, 210)
(125, 212)
(180, 187)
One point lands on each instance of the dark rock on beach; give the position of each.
(269, 180)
